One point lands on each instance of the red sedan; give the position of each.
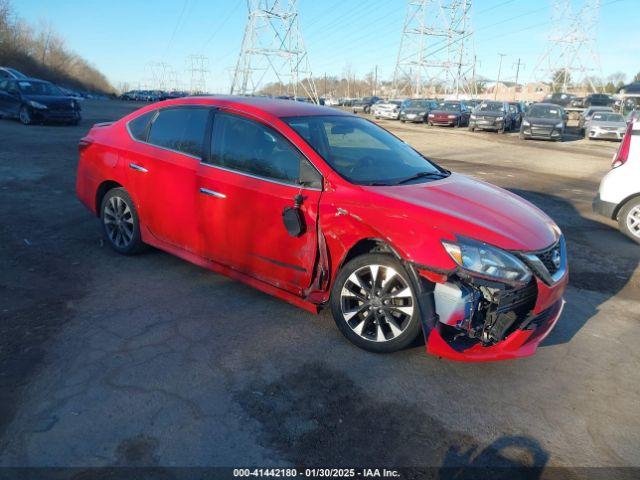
(326, 209)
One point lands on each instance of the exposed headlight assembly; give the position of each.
(482, 260)
(451, 116)
(472, 117)
(526, 123)
(37, 105)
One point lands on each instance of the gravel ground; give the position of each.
(150, 361)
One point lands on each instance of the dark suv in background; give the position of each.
(545, 121)
(491, 115)
(417, 109)
(598, 100)
(364, 104)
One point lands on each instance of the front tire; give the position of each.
(25, 115)
(374, 304)
(629, 220)
(120, 222)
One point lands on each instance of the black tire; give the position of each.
(402, 121)
(471, 128)
(25, 115)
(521, 136)
(623, 216)
(114, 199)
(410, 325)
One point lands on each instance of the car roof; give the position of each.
(272, 106)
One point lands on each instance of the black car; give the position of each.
(559, 98)
(491, 115)
(31, 100)
(598, 100)
(543, 120)
(417, 109)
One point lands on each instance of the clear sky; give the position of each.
(122, 37)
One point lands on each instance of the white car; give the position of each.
(618, 197)
(389, 110)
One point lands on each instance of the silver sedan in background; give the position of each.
(606, 126)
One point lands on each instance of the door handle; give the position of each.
(212, 193)
(137, 167)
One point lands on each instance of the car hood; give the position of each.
(415, 109)
(387, 105)
(51, 100)
(444, 112)
(459, 205)
(543, 121)
(490, 114)
(608, 124)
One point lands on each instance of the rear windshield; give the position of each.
(544, 111)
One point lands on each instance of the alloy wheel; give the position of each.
(633, 221)
(118, 222)
(377, 303)
(25, 117)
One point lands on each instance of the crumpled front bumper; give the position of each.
(522, 342)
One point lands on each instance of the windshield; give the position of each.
(490, 107)
(608, 117)
(545, 111)
(450, 107)
(416, 104)
(362, 152)
(38, 88)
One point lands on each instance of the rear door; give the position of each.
(162, 165)
(252, 174)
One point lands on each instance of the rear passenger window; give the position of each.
(180, 129)
(241, 144)
(138, 126)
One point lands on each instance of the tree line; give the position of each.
(39, 51)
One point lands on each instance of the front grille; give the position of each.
(547, 258)
(541, 130)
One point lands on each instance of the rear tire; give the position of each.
(374, 303)
(471, 129)
(120, 222)
(629, 219)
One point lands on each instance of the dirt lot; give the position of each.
(108, 360)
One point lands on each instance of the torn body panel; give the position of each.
(478, 322)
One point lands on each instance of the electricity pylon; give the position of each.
(436, 49)
(198, 68)
(273, 50)
(571, 53)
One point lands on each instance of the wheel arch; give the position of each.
(102, 190)
(623, 203)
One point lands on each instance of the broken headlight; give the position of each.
(489, 262)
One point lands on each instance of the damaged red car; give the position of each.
(322, 208)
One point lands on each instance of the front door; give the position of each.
(252, 174)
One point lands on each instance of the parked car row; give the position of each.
(543, 120)
(151, 95)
